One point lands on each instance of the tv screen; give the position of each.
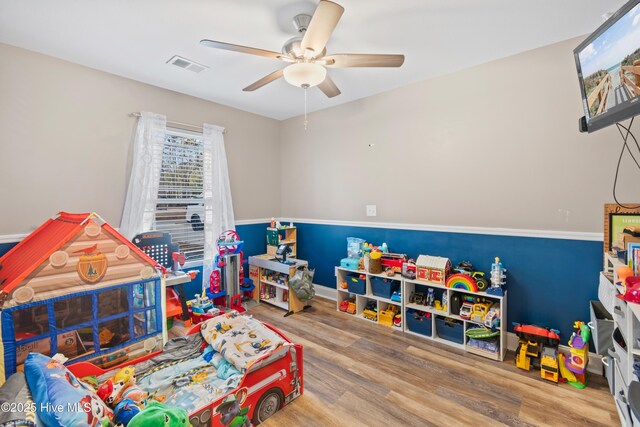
(609, 80)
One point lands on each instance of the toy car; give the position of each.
(492, 319)
(466, 310)
(479, 311)
(465, 267)
(417, 298)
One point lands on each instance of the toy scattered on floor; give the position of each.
(579, 356)
(466, 268)
(498, 278)
(432, 268)
(534, 342)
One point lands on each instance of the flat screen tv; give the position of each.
(609, 80)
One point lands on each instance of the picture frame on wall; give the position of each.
(616, 218)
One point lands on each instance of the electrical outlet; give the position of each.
(371, 210)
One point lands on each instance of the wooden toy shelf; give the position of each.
(263, 266)
(408, 286)
(287, 236)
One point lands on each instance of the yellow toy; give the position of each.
(125, 377)
(526, 350)
(370, 314)
(480, 310)
(549, 364)
(387, 316)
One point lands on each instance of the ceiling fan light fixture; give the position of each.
(305, 74)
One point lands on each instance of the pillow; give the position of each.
(241, 340)
(16, 392)
(61, 400)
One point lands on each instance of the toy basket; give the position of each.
(418, 322)
(450, 329)
(382, 287)
(601, 327)
(355, 284)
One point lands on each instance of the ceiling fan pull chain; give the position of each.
(305, 108)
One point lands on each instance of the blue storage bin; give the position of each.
(382, 287)
(355, 284)
(450, 330)
(418, 322)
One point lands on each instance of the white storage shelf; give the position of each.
(408, 286)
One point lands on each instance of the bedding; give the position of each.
(15, 392)
(241, 340)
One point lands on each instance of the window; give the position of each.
(180, 208)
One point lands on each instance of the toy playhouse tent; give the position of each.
(78, 287)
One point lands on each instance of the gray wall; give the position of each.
(65, 138)
(495, 145)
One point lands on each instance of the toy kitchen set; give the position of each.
(275, 270)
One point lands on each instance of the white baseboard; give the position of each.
(325, 292)
(595, 360)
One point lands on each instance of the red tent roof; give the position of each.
(38, 246)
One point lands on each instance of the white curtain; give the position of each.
(218, 207)
(142, 196)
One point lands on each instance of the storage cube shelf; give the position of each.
(455, 337)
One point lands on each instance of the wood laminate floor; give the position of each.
(358, 373)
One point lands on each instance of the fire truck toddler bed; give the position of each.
(231, 370)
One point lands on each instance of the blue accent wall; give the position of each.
(550, 281)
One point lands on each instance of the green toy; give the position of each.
(156, 414)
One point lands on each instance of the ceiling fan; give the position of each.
(306, 54)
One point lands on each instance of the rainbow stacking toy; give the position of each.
(462, 281)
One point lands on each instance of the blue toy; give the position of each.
(396, 297)
(124, 411)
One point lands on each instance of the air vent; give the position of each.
(187, 64)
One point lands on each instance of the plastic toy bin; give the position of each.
(450, 330)
(418, 322)
(355, 284)
(382, 287)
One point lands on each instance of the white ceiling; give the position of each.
(135, 38)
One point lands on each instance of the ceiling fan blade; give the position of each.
(347, 60)
(329, 88)
(238, 48)
(263, 81)
(322, 24)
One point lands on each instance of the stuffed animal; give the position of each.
(158, 415)
(109, 392)
(124, 412)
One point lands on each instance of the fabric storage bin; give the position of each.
(621, 356)
(382, 287)
(601, 326)
(450, 329)
(620, 398)
(606, 293)
(620, 315)
(355, 284)
(418, 322)
(633, 398)
(609, 366)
